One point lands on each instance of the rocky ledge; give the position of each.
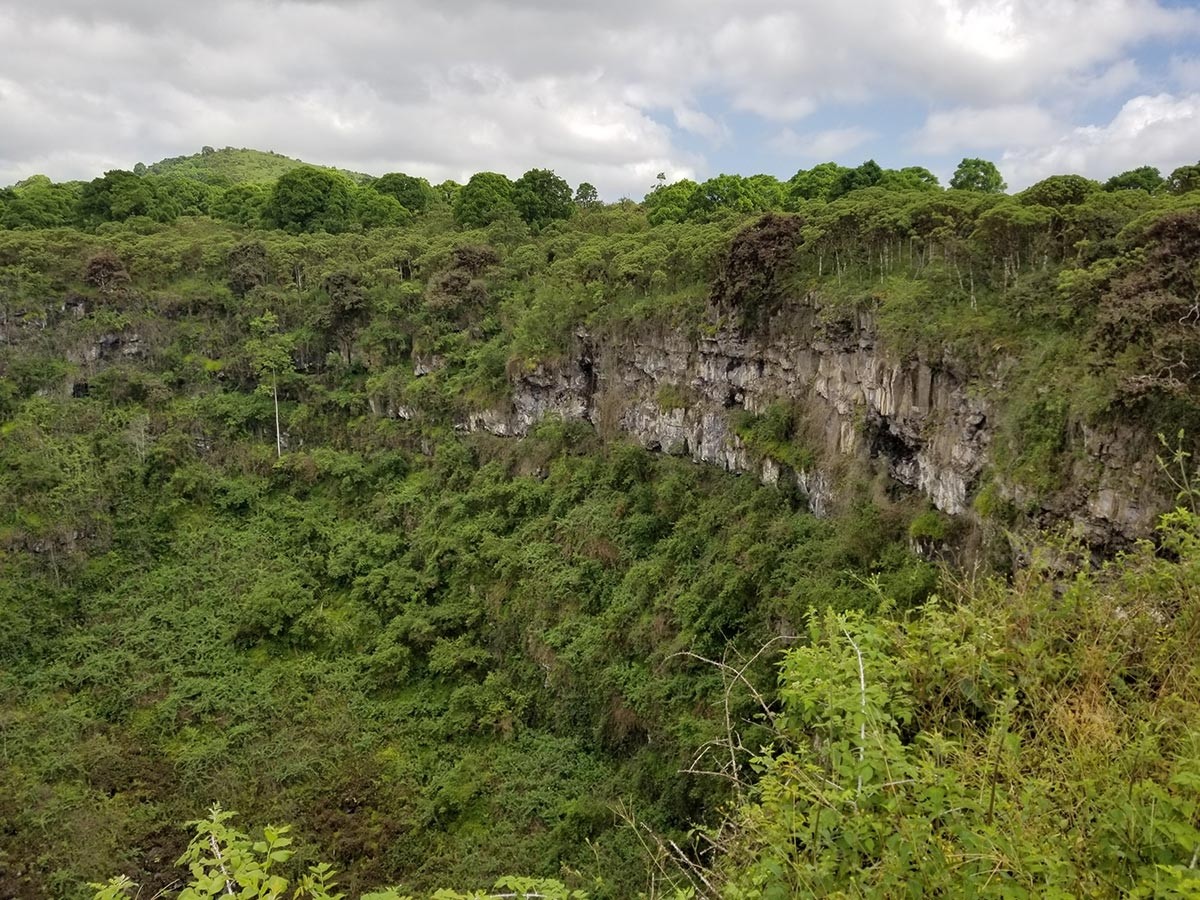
(927, 424)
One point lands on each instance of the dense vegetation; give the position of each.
(229, 166)
(250, 555)
(1032, 740)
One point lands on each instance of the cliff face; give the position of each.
(928, 424)
(929, 427)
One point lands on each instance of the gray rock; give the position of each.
(921, 421)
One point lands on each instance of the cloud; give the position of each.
(360, 87)
(699, 123)
(601, 92)
(953, 52)
(1161, 130)
(1185, 72)
(832, 143)
(968, 128)
(1114, 81)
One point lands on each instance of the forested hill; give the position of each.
(333, 502)
(229, 166)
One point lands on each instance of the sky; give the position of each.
(611, 92)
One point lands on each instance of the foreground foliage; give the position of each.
(1039, 740)
(225, 862)
(1032, 740)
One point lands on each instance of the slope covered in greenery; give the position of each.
(448, 668)
(252, 556)
(1037, 739)
(229, 166)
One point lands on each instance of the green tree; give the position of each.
(486, 197)
(732, 192)
(120, 195)
(37, 202)
(185, 196)
(1092, 226)
(910, 178)
(816, 183)
(1184, 179)
(413, 193)
(670, 202)
(586, 196)
(541, 197)
(866, 175)
(375, 210)
(311, 199)
(978, 175)
(242, 204)
(770, 188)
(1144, 178)
(1059, 191)
(447, 192)
(1014, 232)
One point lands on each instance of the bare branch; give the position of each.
(740, 674)
(216, 849)
(862, 685)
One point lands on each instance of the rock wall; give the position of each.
(918, 420)
(927, 425)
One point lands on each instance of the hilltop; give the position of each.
(231, 165)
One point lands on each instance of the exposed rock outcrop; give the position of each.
(927, 424)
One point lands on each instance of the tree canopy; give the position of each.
(310, 199)
(1145, 178)
(541, 197)
(485, 198)
(978, 175)
(414, 194)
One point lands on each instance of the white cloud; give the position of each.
(362, 88)
(1117, 79)
(967, 128)
(445, 89)
(1185, 72)
(1162, 130)
(954, 52)
(832, 143)
(693, 120)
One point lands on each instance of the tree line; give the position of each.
(315, 199)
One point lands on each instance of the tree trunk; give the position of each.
(278, 433)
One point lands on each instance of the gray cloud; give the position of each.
(1161, 130)
(601, 92)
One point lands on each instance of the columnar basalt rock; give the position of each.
(917, 420)
(924, 422)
